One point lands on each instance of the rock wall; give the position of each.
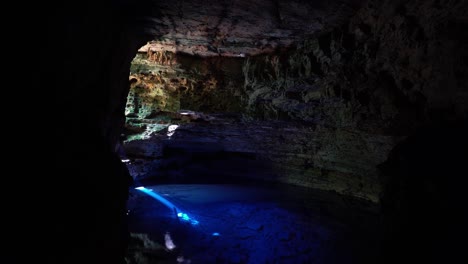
(239, 28)
(168, 82)
(325, 151)
(360, 88)
(365, 86)
(87, 49)
(400, 64)
(391, 106)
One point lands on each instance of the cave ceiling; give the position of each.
(236, 28)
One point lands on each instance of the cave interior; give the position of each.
(269, 131)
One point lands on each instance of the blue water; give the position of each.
(242, 224)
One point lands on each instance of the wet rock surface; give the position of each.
(227, 148)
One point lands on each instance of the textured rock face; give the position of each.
(170, 82)
(361, 87)
(239, 28)
(366, 85)
(400, 65)
(280, 86)
(278, 151)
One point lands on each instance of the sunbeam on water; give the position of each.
(185, 217)
(182, 216)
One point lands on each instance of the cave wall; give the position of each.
(360, 88)
(208, 28)
(391, 106)
(423, 204)
(86, 52)
(169, 82)
(400, 64)
(366, 85)
(321, 151)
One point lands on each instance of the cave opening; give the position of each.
(236, 154)
(259, 132)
